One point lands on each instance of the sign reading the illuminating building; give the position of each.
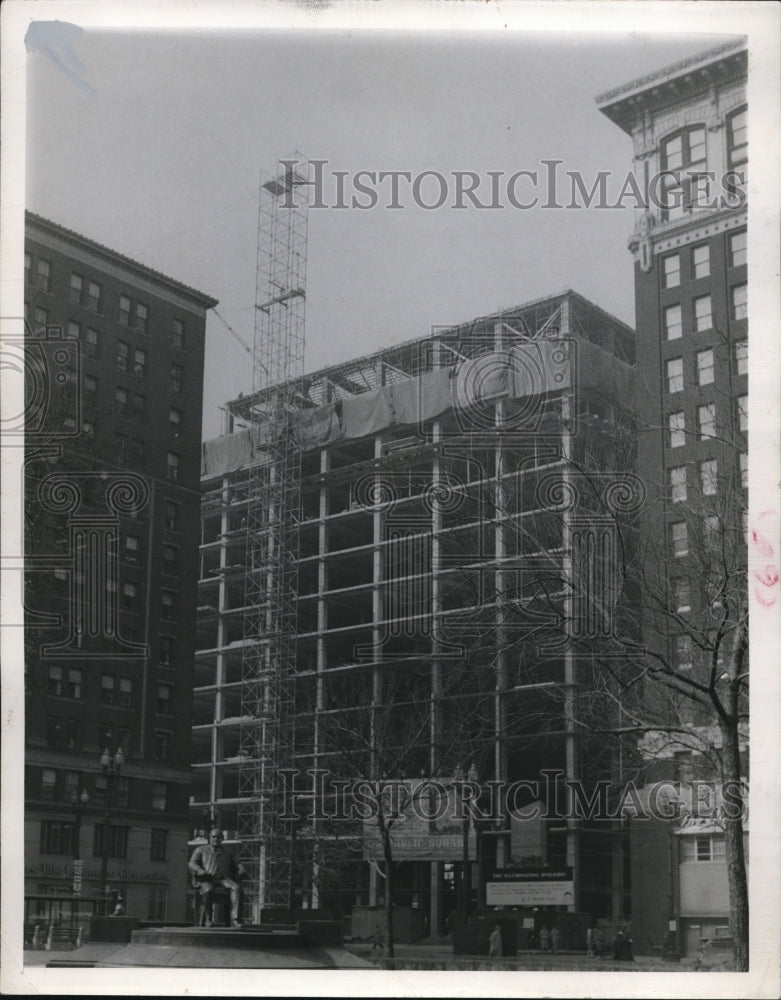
(530, 887)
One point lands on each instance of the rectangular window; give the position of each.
(165, 694)
(40, 317)
(124, 310)
(672, 270)
(91, 340)
(174, 421)
(681, 596)
(744, 470)
(158, 843)
(162, 747)
(72, 784)
(738, 245)
(170, 558)
(136, 449)
(177, 334)
(173, 465)
(142, 317)
(93, 296)
(678, 484)
(129, 595)
(73, 685)
(73, 739)
(120, 447)
(43, 275)
(158, 901)
(676, 423)
(90, 384)
(708, 477)
(74, 330)
(123, 356)
(679, 539)
(139, 363)
(683, 652)
(28, 264)
(131, 548)
(703, 848)
(703, 320)
(711, 528)
(76, 289)
(125, 692)
(166, 650)
(743, 413)
(159, 791)
(740, 302)
(56, 837)
(48, 783)
(55, 681)
(168, 598)
(171, 515)
(674, 369)
(706, 421)
(672, 322)
(741, 357)
(138, 406)
(54, 732)
(701, 261)
(117, 841)
(176, 378)
(107, 689)
(704, 367)
(737, 145)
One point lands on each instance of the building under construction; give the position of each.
(400, 559)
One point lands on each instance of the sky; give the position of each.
(161, 162)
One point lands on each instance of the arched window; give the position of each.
(684, 162)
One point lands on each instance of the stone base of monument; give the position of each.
(272, 937)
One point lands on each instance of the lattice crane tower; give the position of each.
(266, 737)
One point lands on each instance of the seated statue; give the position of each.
(214, 866)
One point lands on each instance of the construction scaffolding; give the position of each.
(274, 479)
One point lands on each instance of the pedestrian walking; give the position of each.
(555, 938)
(495, 942)
(544, 938)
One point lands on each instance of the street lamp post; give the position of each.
(78, 805)
(111, 767)
(466, 874)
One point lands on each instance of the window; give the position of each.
(90, 384)
(131, 548)
(176, 378)
(48, 783)
(683, 652)
(73, 685)
(703, 319)
(743, 413)
(74, 330)
(164, 698)
(177, 334)
(136, 449)
(704, 367)
(142, 316)
(121, 790)
(93, 296)
(672, 322)
(706, 421)
(72, 732)
(129, 595)
(674, 369)
(138, 406)
(683, 157)
(120, 447)
(737, 144)
(43, 275)
(124, 310)
(56, 837)
(681, 596)
(738, 245)
(678, 484)
(91, 339)
(711, 527)
(72, 784)
(139, 363)
(744, 470)
(159, 795)
(125, 692)
(170, 558)
(76, 289)
(708, 477)
(740, 302)
(158, 899)
(671, 270)
(701, 261)
(116, 842)
(40, 317)
(55, 681)
(676, 423)
(28, 265)
(107, 690)
(173, 465)
(171, 515)
(174, 421)
(680, 539)
(703, 847)
(158, 843)
(123, 356)
(741, 357)
(162, 747)
(169, 600)
(166, 650)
